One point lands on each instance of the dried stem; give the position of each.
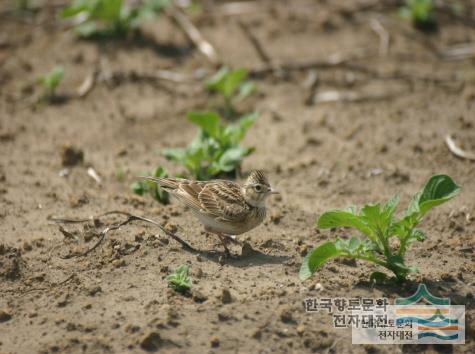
(103, 233)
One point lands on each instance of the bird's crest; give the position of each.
(257, 177)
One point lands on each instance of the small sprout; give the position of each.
(216, 149)
(420, 12)
(232, 86)
(111, 17)
(179, 280)
(144, 187)
(119, 174)
(379, 224)
(51, 81)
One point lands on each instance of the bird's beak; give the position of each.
(274, 191)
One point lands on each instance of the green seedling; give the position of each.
(232, 86)
(50, 82)
(379, 224)
(179, 280)
(110, 17)
(216, 149)
(152, 188)
(420, 12)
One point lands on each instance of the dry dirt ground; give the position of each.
(319, 155)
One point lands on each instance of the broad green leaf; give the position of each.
(418, 235)
(86, 29)
(354, 244)
(342, 218)
(439, 189)
(233, 81)
(137, 188)
(208, 121)
(378, 277)
(231, 158)
(390, 207)
(234, 133)
(245, 90)
(160, 172)
(413, 207)
(75, 8)
(178, 154)
(216, 81)
(316, 258)
(107, 10)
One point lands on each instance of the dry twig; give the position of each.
(378, 28)
(103, 233)
(256, 44)
(195, 36)
(457, 151)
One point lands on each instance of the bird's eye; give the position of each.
(258, 188)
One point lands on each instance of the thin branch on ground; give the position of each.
(52, 285)
(457, 151)
(237, 8)
(459, 52)
(256, 44)
(87, 85)
(103, 233)
(384, 38)
(194, 35)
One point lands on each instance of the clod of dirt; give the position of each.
(63, 300)
(257, 334)
(71, 156)
(151, 342)
(198, 296)
(214, 341)
(11, 263)
(93, 290)
(197, 272)
(226, 297)
(276, 216)
(300, 329)
(303, 249)
(285, 314)
(5, 316)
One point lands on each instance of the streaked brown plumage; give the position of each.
(224, 207)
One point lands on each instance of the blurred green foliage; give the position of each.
(111, 17)
(216, 149)
(51, 81)
(144, 186)
(232, 86)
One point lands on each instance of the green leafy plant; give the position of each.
(179, 280)
(111, 17)
(232, 86)
(379, 224)
(50, 82)
(420, 12)
(152, 188)
(216, 149)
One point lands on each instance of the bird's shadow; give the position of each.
(249, 259)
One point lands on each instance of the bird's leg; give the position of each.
(224, 241)
(232, 239)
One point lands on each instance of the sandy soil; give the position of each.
(319, 155)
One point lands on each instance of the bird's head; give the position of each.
(257, 189)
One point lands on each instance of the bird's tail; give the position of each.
(168, 184)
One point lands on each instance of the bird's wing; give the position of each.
(223, 200)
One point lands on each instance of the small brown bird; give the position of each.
(225, 208)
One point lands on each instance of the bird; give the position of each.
(225, 208)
